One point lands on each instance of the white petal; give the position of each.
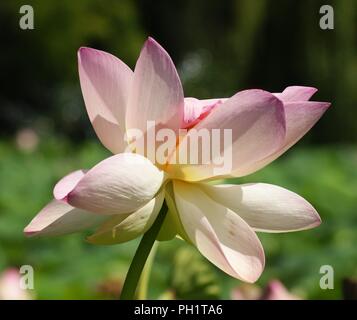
(266, 207)
(219, 234)
(119, 184)
(59, 218)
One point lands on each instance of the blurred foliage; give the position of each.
(68, 267)
(220, 47)
(192, 277)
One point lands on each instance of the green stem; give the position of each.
(143, 285)
(141, 255)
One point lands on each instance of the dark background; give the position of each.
(220, 47)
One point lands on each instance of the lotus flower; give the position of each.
(10, 288)
(274, 290)
(122, 195)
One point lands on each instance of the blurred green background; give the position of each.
(219, 47)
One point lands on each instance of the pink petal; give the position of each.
(275, 290)
(300, 118)
(296, 93)
(105, 82)
(257, 122)
(67, 183)
(156, 93)
(119, 184)
(266, 207)
(11, 285)
(59, 218)
(219, 234)
(196, 110)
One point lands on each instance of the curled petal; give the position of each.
(220, 235)
(67, 183)
(59, 218)
(266, 207)
(122, 228)
(119, 184)
(296, 93)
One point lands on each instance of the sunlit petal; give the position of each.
(219, 233)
